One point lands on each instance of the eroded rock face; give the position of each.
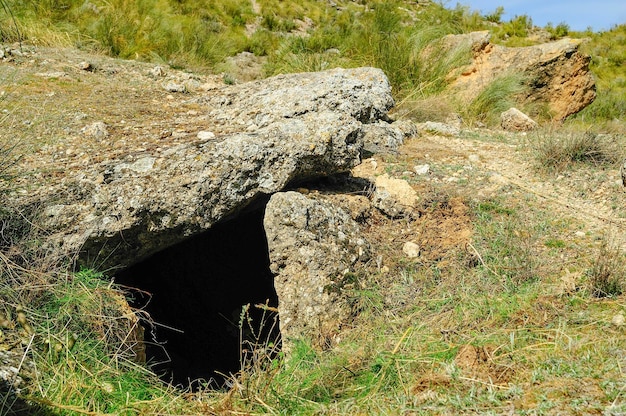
(272, 133)
(556, 72)
(313, 247)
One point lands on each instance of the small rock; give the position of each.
(473, 158)
(174, 87)
(407, 127)
(157, 72)
(394, 197)
(514, 120)
(618, 320)
(411, 249)
(15, 52)
(421, 169)
(580, 234)
(382, 137)
(206, 135)
(97, 130)
(85, 66)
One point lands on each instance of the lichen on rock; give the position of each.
(313, 247)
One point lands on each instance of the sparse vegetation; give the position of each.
(607, 274)
(558, 151)
(494, 99)
(608, 53)
(480, 323)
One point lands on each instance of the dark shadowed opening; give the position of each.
(196, 291)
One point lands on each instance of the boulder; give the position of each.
(270, 134)
(556, 73)
(313, 248)
(514, 120)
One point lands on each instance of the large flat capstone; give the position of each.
(272, 133)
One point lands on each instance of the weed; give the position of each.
(260, 354)
(496, 15)
(559, 151)
(7, 160)
(515, 31)
(505, 248)
(497, 97)
(561, 30)
(13, 32)
(607, 275)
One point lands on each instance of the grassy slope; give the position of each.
(482, 324)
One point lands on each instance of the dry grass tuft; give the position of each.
(554, 151)
(607, 275)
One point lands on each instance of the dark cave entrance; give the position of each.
(196, 291)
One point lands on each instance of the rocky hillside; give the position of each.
(181, 243)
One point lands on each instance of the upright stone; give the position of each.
(313, 248)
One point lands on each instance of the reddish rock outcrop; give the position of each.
(556, 73)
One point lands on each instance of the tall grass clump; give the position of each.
(607, 274)
(415, 59)
(185, 32)
(495, 98)
(558, 151)
(9, 29)
(77, 331)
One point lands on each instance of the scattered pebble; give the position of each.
(618, 320)
(421, 169)
(157, 72)
(206, 135)
(97, 130)
(411, 249)
(85, 66)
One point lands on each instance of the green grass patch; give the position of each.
(79, 333)
(497, 97)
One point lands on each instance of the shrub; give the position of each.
(607, 275)
(518, 26)
(559, 151)
(561, 30)
(496, 15)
